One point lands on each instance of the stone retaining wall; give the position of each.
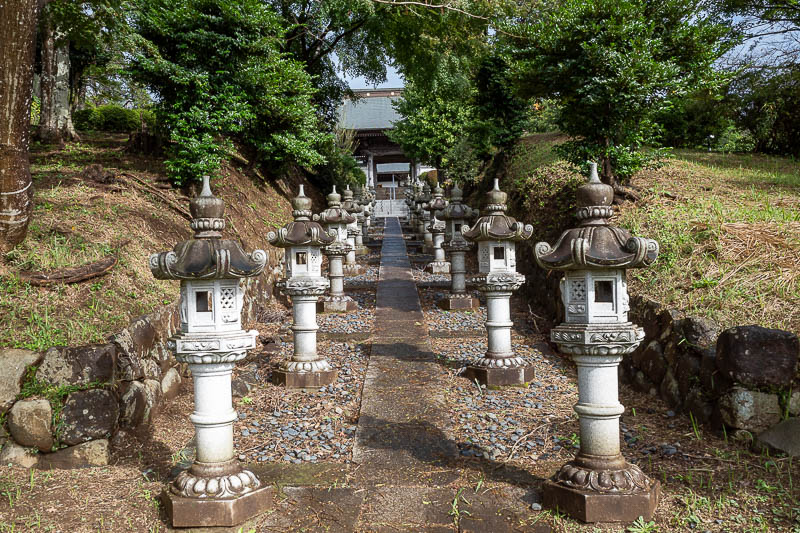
(745, 378)
(97, 390)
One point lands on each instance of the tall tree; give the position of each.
(612, 64)
(18, 20)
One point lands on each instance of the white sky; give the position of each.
(393, 81)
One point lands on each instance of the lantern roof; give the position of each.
(494, 224)
(438, 202)
(335, 214)
(302, 231)
(456, 210)
(206, 255)
(350, 204)
(595, 244)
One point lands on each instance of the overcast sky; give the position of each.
(393, 81)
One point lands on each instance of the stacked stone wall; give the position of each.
(62, 408)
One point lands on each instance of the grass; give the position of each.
(728, 226)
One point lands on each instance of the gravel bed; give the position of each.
(367, 278)
(277, 425)
(359, 321)
(421, 276)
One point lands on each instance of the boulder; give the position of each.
(144, 338)
(30, 422)
(783, 437)
(794, 404)
(92, 453)
(710, 378)
(642, 384)
(153, 396)
(15, 455)
(669, 390)
(651, 361)
(133, 404)
(13, 364)
(698, 405)
(751, 410)
(79, 365)
(758, 357)
(687, 372)
(700, 332)
(151, 369)
(88, 415)
(171, 384)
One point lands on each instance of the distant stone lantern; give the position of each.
(352, 206)
(599, 484)
(362, 196)
(304, 283)
(436, 228)
(421, 198)
(215, 490)
(336, 219)
(496, 234)
(455, 216)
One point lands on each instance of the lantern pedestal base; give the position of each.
(206, 512)
(591, 506)
(352, 270)
(458, 303)
(336, 304)
(438, 267)
(304, 380)
(501, 377)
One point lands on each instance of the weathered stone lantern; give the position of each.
(439, 265)
(425, 217)
(336, 219)
(496, 234)
(455, 216)
(304, 283)
(599, 484)
(215, 490)
(352, 206)
(363, 198)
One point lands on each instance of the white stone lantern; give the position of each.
(425, 217)
(336, 219)
(352, 206)
(599, 485)
(455, 216)
(439, 265)
(363, 198)
(215, 490)
(302, 240)
(496, 234)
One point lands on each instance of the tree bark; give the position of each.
(18, 20)
(55, 125)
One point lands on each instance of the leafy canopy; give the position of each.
(218, 73)
(612, 64)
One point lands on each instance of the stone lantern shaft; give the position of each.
(455, 216)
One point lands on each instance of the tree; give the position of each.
(217, 71)
(435, 117)
(18, 34)
(612, 64)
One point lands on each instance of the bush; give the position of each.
(112, 117)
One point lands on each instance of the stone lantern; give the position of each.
(215, 490)
(439, 265)
(352, 206)
(598, 485)
(363, 198)
(455, 216)
(425, 217)
(496, 234)
(336, 220)
(304, 283)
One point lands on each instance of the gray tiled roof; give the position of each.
(372, 113)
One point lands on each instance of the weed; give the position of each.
(640, 526)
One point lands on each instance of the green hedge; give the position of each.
(111, 118)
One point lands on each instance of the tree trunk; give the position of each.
(18, 20)
(55, 125)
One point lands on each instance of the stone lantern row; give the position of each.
(598, 485)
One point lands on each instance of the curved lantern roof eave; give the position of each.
(206, 255)
(302, 231)
(494, 224)
(595, 244)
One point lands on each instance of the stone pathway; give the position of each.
(406, 473)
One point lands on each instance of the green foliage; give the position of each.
(500, 116)
(544, 116)
(612, 64)
(695, 120)
(217, 70)
(36, 110)
(340, 167)
(55, 395)
(112, 117)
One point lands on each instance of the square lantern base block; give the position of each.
(336, 306)
(438, 267)
(495, 378)
(458, 304)
(588, 506)
(189, 512)
(303, 380)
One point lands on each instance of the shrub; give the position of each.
(112, 117)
